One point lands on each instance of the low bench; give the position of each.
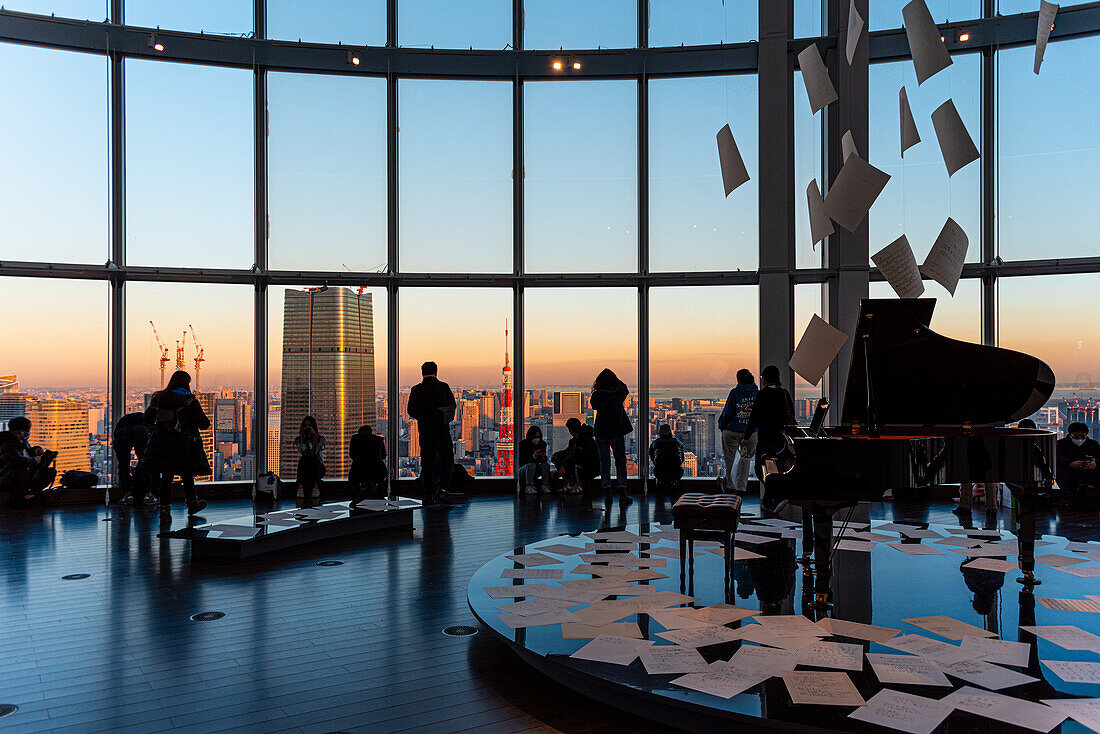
(706, 517)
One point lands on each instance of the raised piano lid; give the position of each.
(921, 378)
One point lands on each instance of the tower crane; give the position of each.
(199, 351)
(164, 358)
(181, 360)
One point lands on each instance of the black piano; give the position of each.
(919, 409)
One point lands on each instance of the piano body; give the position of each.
(921, 409)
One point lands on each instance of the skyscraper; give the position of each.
(62, 426)
(328, 371)
(566, 405)
(471, 425)
(506, 441)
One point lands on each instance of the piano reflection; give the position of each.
(919, 410)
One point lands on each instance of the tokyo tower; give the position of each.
(506, 440)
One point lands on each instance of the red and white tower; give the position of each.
(506, 440)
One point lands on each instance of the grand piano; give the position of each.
(919, 409)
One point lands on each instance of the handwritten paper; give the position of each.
(769, 660)
(531, 573)
(925, 45)
(701, 637)
(1010, 710)
(1065, 636)
(790, 625)
(816, 350)
(819, 87)
(855, 545)
(944, 263)
(856, 630)
(1084, 572)
(535, 606)
(945, 626)
(920, 533)
(577, 596)
(734, 172)
(520, 621)
(987, 675)
(610, 649)
(916, 549)
(1053, 559)
(671, 659)
(909, 134)
(513, 592)
(821, 688)
(840, 655)
(903, 712)
(1004, 652)
(611, 547)
(722, 680)
(577, 631)
(1074, 671)
(820, 224)
(534, 559)
(853, 192)
(723, 614)
(1070, 605)
(855, 29)
(762, 636)
(940, 652)
(848, 146)
(591, 584)
(907, 670)
(1047, 11)
(956, 145)
(677, 619)
(1084, 710)
(991, 564)
(561, 549)
(899, 266)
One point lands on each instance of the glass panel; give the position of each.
(326, 172)
(1049, 317)
(54, 189)
(808, 131)
(564, 350)
(887, 13)
(97, 10)
(1009, 7)
(807, 304)
(360, 22)
(581, 184)
(692, 225)
(698, 339)
(807, 18)
(65, 398)
(230, 17)
(676, 23)
(455, 184)
(207, 331)
(958, 316)
(455, 24)
(189, 165)
(1047, 153)
(580, 24)
(346, 369)
(920, 197)
(472, 354)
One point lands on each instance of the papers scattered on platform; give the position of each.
(751, 539)
(1070, 605)
(991, 564)
(956, 145)
(839, 655)
(821, 688)
(1004, 652)
(853, 192)
(1047, 11)
(855, 545)
(945, 260)
(677, 619)
(531, 573)
(231, 532)
(917, 549)
(723, 614)
(722, 680)
(1085, 547)
(771, 660)
(855, 29)
(577, 631)
(1084, 572)
(734, 172)
(701, 637)
(739, 554)
(1084, 710)
(856, 630)
(817, 348)
(577, 596)
(610, 649)
(284, 522)
(909, 134)
(899, 267)
(533, 559)
(762, 636)
(1065, 636)
(903, 712)
(819, 87)
(514, 591)
(1053, 559)
(1010, 710)
(907, 670)
(920, 533)
(940, 652)
(925, 44)
(820, 224)
(520, 621)
(561, 549)
(790, 625)
(987, 675)
(1075, 671)
(535, 606)
(671, 660)
(945, 626)
(610, 547)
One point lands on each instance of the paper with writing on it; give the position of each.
(771, 660)
(1053, 559)
(839, 655)
(899, 266)
(1004, 652)
(1034, 716)
(917, 549)
(666, 552)
(909, 134)
(530, 607)
(983, 551)
(855, 545)
(1086, 711)
(514, 591)
(611, 547)
(577, 596)
(723, 613)
(944, 263)
(520, 621)
(615, 536)
(1066, 636)
(531, 573)
(722, 680)
(561, 549)
(790, 625)
(848, 146)
(991, 564)
(701, 637)
(945, 626)
(739, 554)
(671, 660)
(975, 532)
(610, 649)
(987, 675)
(1070, 605)
(819, 87)
(577, 631)
(853, 191)
(734, 172)
(925, 44)
(907, 670)
(816, 350)
(956, 145)
(1075, 545)
(903, 712)
(855, 29)
(939, 652)
(533, 559)
(1075, 671)
(1084, 572)
(762, 636)
(856, 630)
(824, 688)
(592, 584)
(820, 224)
(753, 539)
(920, 533)
(677, 619)
(1047, 11)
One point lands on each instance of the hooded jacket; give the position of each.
(735, 415)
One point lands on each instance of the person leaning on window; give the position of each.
(1078, 477)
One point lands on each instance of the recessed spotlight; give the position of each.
(557, 65)
(964, 37)
(576, 66)
(352, 58)
(154, 43)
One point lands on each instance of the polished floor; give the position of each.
(352, 647)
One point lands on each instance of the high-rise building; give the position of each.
(9, 384)
(506, 440)
(208, 401)
(471, 425)
(62, 426)
(414, 440)
(328, 371)
(566, 405)
(691, 464)
(273, 445)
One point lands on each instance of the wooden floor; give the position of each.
(302, 648)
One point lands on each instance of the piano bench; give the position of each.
(706, 517)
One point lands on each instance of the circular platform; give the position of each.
(881, 586)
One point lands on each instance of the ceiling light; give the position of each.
(557, 65)
(352, 58)
(154, 43)
(576, 66)
(964, 37)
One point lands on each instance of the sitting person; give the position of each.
(667, 454)
(580, 460)
(368, 471)
(25, 471)
(534, 469)
(1077, 474)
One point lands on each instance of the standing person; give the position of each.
(432, 406)
(733, 423)
(131, 436)
(175, 447)
(667, 454)
(368, 463)
(534, 469)
(772, 410)
(25, 470)
(311, 460)
(611, 425)
(1077, 474)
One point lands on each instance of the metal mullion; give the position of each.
(643, 267)
(518, 20)
(643, 26)
(117, 146)
(391, 23)
(393, 401)
(259, 234)
(989, 192)
(518, 262)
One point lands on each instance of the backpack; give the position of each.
(74, 479)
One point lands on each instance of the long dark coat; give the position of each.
(176, 446)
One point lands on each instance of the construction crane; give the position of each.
(164, 358)
(199, 351)
(181, 360)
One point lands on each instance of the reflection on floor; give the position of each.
(354, 647)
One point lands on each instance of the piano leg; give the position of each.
(807, 538)
(1027, 503)
(823, 548)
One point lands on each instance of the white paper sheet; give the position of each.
(917, 549)
(1053, 559)
(531, 607)
(909, 134)
(987, 675)
(848, 146)
(576, 631)
(1047, 11)
(820, 224)
(956, 145)
(771, 660)
(1004, 652)
(520, 621)
(925, 45)
(722, 680)
(945, 626)
(991, 564)
(899, 266)
(816, 350)
(1075, 671)
(839, 655)
(734, 172)
(819, 87)
(677, 619)
(761, 636)
(751, 539)
(534, 559)
(671, 660)
(853, 192)
(855, 545)
(1066, 636)
(1083, 572)
(1086, 711)
(531, 573)
(701, 637)
(790, 625)
(591, 584)
(855, 29)
(984, 551)
(514, 592)
(610, 649)
(823, 688)
(1010, 710)
(856, 630)
(577, 596)
(723, 613)
(903, 712)
(1085, 547)
(944, 263)
(907, 670)
(560, 549)
(934, 650)
(1070, 605)
(920, 533)
(610, 547)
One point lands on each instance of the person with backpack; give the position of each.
(368, 471)
(734, 422)
(310, 445)
(667, 455)
(175, 447)
(611, 426)
(131, 437)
